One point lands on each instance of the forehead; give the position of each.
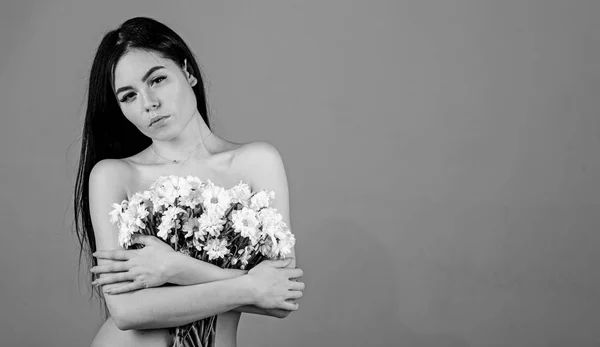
(135, 63)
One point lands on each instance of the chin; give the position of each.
(166, 133)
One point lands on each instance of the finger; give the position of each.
(297, 285)
(124, 288)
(142, 239)
(114, 278)
(294, 294)
(280, 262)
(290, 306)
(294, 273)
(112, 267)
(113, 254)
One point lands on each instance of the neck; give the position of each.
(191, 142)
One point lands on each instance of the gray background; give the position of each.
(443, 159)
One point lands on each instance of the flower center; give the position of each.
(245, 222)
(214, 200)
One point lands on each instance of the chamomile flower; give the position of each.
(190, 227)
(241, 194)
(169, 221)
(216, 248)
(216, 198)
(261, 199)
(211, 222)
(246, 223)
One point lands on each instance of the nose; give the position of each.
(150, 102)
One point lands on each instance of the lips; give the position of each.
(156, 119)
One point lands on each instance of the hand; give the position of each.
(146, 267)
(280, 313)
(272, 286)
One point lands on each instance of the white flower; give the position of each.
(165, 189)
(269, 218)
(158, 203)
(216, 248)
(210, 222)
(163, 230)
(115, 214)
(194, 181)
(246, 254)
(184, 188)
(286, 242)
(261, 199)
(125, 236)
(192, 199)
(134, 215)
(125, 240)
(190, 227)
(129, 218)
(216, 197)
(246, 223)
(200, 235)
(241, 194)
(169, 221)
(197, 244)
(266, 248)
(138, 198)
(172, 212)
(168, 188)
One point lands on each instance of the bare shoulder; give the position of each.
(107, 185)
(262, 164)
(258, 152)
(110, 173)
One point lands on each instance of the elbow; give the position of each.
(281, 314)
(122, 322)
(125, 323)
(121, 318)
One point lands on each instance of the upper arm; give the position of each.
(105, 188)
(266, 170)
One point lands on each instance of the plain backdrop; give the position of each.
(443, 160)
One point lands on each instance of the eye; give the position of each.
(159, 79)
(127, 97)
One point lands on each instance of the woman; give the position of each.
(147, 117)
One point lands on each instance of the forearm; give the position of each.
(164, 307)
(266, 312)
(190, 271)
(261, 311)
(193, 271)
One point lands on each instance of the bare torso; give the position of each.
(110, 335)
(220, 169)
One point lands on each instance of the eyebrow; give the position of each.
(148, 73)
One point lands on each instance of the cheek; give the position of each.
(132, 114)
(181, 99)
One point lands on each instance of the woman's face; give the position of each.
(154, 94)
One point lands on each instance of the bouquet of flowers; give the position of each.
(230, 228)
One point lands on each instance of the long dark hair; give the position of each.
(106, 131)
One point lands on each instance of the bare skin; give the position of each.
(182, 136)
(221, 170)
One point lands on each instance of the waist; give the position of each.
(227, 326)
